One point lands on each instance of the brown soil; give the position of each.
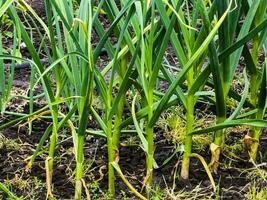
(231, 179)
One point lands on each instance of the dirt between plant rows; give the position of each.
(14, 152)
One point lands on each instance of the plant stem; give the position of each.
(113, 147)
(257, 99)
(113, 136)
(119, 113)
(254, 133)
(253, 149)
(111, 173)
(150, 141)
(216, 146)
(188, 137)
(190, 104)
(254, 137)
(79, 167)
(53, 143)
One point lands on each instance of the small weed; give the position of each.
(196, 193)
(257, 174)
(10, 144)
(256, 193)
(18, 182)
(174, 125)
(157, 193)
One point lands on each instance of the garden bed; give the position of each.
(237, 177)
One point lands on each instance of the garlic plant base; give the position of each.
(146, 182)
(78, 189)
(28, 167)
(48, 178)
(215, 156)
(252, 146)
(248, 141)
(185, 170)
